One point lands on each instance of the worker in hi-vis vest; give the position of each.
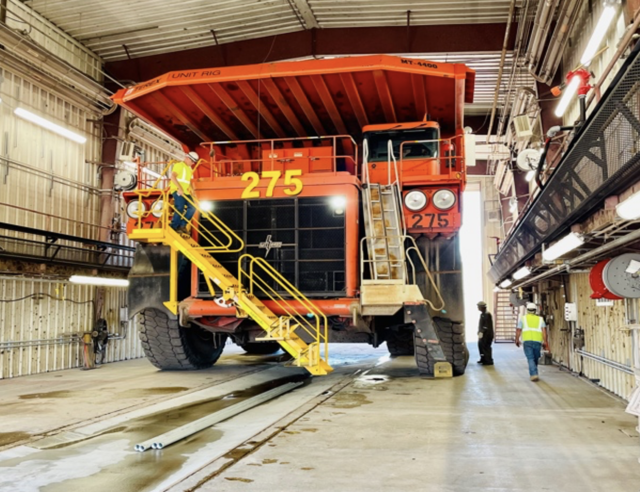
(180, 189)
(533, 330)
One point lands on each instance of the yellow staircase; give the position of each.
(302, 331)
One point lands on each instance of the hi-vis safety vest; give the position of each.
(184, 174)
(532, 328)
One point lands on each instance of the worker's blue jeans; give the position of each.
(184, 207)
(532, 351)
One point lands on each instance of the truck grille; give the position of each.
(302, 238)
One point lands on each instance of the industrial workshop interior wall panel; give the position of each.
(42, 322)
(45, 179)
(606, 337)
(23, 18)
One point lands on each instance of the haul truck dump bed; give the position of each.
(332, 191)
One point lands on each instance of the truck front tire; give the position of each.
(170, 347)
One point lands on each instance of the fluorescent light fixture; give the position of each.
(505, 283)
(530, 175)
(102, 281)
(598, 34)
(522, 273)
(568, 243)
(567, 96)
(630, 208)
(497, 289)
(49, 125)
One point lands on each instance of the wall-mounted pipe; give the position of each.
(610, 363)
(505, 45)
(553, 54)
(541, 26)
(616, 243)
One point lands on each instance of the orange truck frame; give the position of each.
(288, 151)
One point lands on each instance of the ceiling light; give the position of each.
(38, 120)
(530, 175)
(567, 96)
(522, 273)
(598, 34)
(630, 208)
(505, 283)
(102, 281)
(568, 243)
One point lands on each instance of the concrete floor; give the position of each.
(372, 425)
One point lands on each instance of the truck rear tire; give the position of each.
(260, 348)
(170, 347)
(452, 341)
(400, 343)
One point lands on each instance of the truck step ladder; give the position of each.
(301, 332)
(384, 230)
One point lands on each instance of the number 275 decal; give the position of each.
(428, 221)
(290, 179)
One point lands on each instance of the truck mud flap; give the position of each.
(149, 279)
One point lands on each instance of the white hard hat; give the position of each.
(193, 156)
(531, 306)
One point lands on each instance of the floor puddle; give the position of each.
(101, 462)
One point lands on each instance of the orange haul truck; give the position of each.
(328, 197)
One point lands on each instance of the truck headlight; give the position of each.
(156, 208)
(444, 199)
(136, 208)
(415, 200)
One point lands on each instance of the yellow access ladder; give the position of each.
(301, 331)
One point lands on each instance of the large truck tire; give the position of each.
(172, 348)
(400, 343)
(260, 348)
(452, 341)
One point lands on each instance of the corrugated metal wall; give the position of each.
(42, 172)
(606, 334)
(53, 39)
(42, 321)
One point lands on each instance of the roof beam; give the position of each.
(419, 96)
(236, 110)
(353, 95)
(319, 42)
(329, 103)
(305, 11)
(181, 115)
(283, 105)
(215, 119)
(304, 103)
(385, 95)
(261, 108)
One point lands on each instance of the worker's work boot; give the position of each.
(534, 378)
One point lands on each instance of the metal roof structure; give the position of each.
(297, 99)
(120, 29)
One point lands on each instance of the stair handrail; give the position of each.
(248, 278)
